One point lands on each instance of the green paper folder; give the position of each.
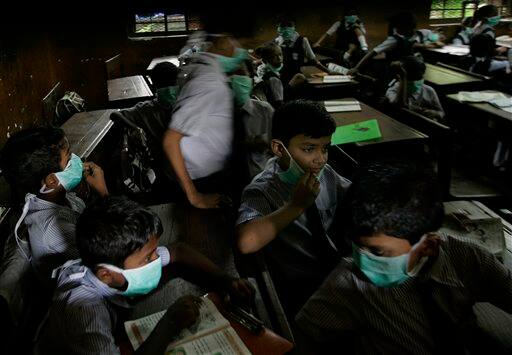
(356, 132)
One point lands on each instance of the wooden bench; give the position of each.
(127, 91)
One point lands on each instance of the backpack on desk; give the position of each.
(67, 106)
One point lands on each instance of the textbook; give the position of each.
(342, 106)
(212, 334)
(337, 68)
(356, 132)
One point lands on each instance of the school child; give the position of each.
(350, 38)
(198, 141)
(485, 20)
(405, 290)
(288, 210)
(296, 49)
(268, 73)
(409, 90)
(430, 38)
(400, 42)
(481, 61)
(117, 241)
(465, 33)
(40, 168)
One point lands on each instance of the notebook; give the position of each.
(356, 132)
(342, 106)
(337, 79)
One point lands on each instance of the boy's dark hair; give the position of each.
(485, 12)
(29, 156)
(112, 229)
(164, 74)
(404, 22)
(467, 21)
(397, 198)
(414, 67)
(301, 117)
(267, 50)
(286, 20)
(482, 45)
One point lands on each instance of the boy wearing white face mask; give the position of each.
(117, 241)
(408, 89)
(40, 168)
(288, 210)
(405, 290)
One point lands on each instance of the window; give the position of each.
(458, 9)
(164, 24)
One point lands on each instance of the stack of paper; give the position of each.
(337, 68)
(503, 104)
(337, 79)
(342, 106)
(356, 132)
(480, 96)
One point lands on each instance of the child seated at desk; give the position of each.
(405, 290)
(288, 210)
(296, 49)
(485, 21)
(408, 89)
(268, 73)
(430, 38)
(465, 33)
(481, 61)
(39, 167)
(117, 241)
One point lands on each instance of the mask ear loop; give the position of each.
(28, 198)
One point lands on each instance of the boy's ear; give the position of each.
(106, 276)
(277, 148)
(51, 181)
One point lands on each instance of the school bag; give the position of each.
(67, 106)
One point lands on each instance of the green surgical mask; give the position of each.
(167, 96)
(275, 69)
(414, 86)
(294, 172)
(141, 280)
(385, 271)
(351, 19)
(242, 89)
(286, 32)
(230, 64)
(433, 37)
(493, 21)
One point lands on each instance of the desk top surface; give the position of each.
(85, 130)
(438, 75)
(129, 87)
(391, 130)
(318, 82)
(486, 107)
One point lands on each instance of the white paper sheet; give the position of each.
(337, 79)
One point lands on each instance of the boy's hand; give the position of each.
(184, 312)
(241, 292)
(427, 246)
(306, 191)
(209, 201)
(353, 72)
(95, 178)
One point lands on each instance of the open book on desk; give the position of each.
(337, 79)
(212, 334)
(342, 106)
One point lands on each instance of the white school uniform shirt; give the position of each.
(389, 44)
(425, 98)
(204, 115)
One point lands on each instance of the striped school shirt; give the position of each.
(393, 320)
(83, 316)
(51, 230)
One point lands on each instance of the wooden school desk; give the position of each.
(448, 54)
(447, 80)
(316, 89)
(127, 91)
(391, 130)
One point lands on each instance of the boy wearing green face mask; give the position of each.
(43, 173)
(350, 45)
(268, 73)
(296, 49)
(408, 89)
(405, 290)
(485, 20)
(288, 210)
(120, 258)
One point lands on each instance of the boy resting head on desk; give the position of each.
(405, 289)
